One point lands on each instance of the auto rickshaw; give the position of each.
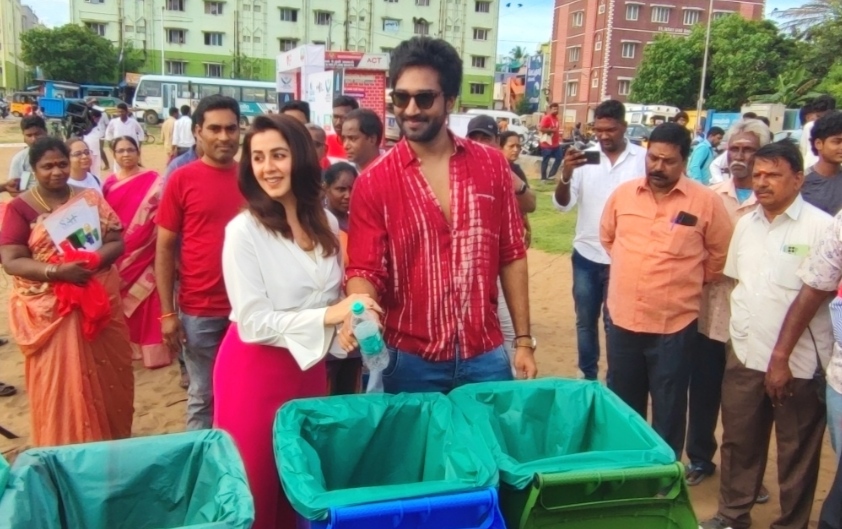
(23, 103)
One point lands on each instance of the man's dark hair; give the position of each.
(436, 54)
(297, 104)
(611, 109)
(782, 150)
(823, 103)
(826, 126)
(764, 120)
(214, 102)
(681, 115)
(750, 115)
(345, 101)
(173, 112)
(673, 134)
(805, 110)
(369, 122)
(32, 122)
(185, 110)
(122, 106)
(716, 131)
(553, 105)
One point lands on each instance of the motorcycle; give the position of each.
(4, 108)
(531, 144)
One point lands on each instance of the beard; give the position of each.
(426, 133)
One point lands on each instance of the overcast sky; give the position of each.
(526, 26)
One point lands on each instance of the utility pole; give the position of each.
(163, 39)
(701, 101)
(120, 43)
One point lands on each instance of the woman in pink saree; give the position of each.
(134, 193)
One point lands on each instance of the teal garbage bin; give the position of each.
(573, 455)
(354, 450)
(194, 479)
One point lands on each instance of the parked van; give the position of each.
(515, 123)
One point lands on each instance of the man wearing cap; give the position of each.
(484, 129)
(589, 186)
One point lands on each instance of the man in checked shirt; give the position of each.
(435, 223)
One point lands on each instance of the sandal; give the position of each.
(6, 390)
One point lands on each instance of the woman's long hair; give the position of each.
(306, 184)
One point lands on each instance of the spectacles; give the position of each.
(125, 151)
(423, 99)
(79, 154)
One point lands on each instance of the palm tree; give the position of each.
(799, 20)
(518, 53)
(794, 89)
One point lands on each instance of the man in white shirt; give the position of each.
(182, 135)
(589, 186)
(761, 389)
(125, 125)
(20, 172)
(809, 114)
(744, 139)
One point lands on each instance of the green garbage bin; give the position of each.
(194, 479)
(362, 449)
(571, 454)
(4, 474)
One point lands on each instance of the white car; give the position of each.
(515, 123)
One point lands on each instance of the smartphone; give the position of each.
(591, 157)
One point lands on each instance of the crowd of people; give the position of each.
(716, 292)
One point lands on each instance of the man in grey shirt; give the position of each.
(34, 128)
(823, 183)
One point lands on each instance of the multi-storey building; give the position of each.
(15, 19)
(598, 44)
(241, 38)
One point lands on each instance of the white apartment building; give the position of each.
(203, 37)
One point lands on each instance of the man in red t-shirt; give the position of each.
(198, 202)
(341, 106)
(550, 142)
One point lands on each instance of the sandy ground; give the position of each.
(160, 403)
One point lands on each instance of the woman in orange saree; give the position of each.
(134, 193)
(65, 310)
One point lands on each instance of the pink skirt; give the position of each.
(250, 383)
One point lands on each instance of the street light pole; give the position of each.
(701, 101)
(163, 40)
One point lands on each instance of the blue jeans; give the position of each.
(546, 154)
(834, 419)
(204, 335)
(409, 373)
(590, 289)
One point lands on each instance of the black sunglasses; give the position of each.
(424, 99)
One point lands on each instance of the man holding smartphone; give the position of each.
(550, 142)
(587, 180)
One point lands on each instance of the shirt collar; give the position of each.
(729, 189)
(680, 186)
(793, 211)
(406, 156)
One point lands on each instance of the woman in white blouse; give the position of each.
(282, 266)
(82, 161)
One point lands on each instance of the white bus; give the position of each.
(155, 94)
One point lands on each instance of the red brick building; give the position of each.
(598, 44)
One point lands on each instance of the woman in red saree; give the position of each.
(78, 357)
(134, 193)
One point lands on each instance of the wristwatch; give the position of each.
(525, 340)
(522, 189)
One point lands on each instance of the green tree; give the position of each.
(70, 53)
(518, 53)
(794, 89)
(832, 83)
(669, 73)
(745, 58)
(133, 59)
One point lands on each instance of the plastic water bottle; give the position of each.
(373, 348)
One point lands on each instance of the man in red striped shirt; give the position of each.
(434, 223)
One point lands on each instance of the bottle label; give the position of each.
(371, 341)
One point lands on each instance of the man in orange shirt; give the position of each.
(666, 235)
